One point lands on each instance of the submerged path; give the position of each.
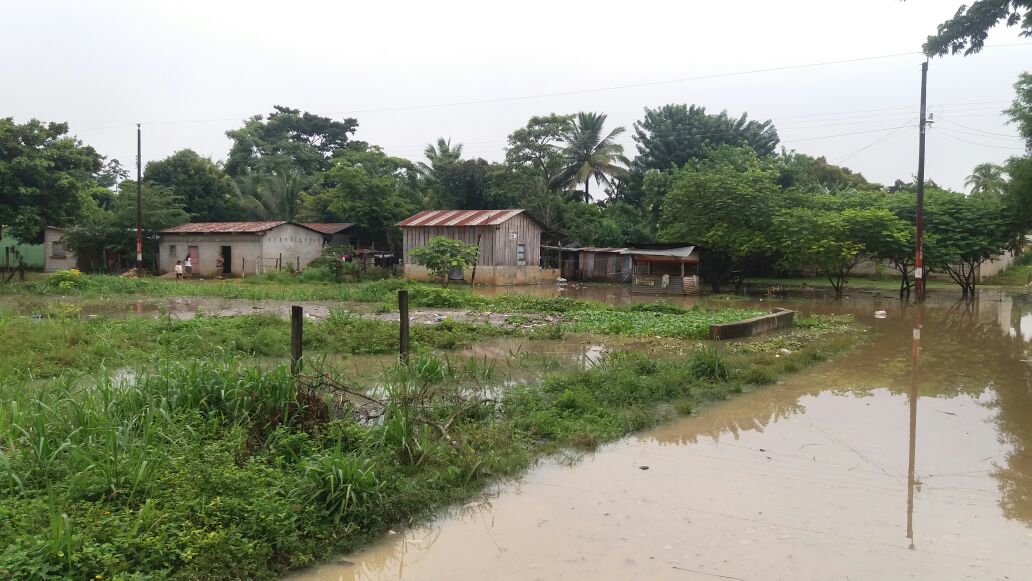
(875, 465)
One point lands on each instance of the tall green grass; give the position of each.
(216, 468)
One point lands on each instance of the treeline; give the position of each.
(715, 180)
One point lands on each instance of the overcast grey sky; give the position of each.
(189, 70)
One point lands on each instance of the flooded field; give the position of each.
(910, 457)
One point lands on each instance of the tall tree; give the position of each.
(1020, 111)
(115, 230)
(968, 230)
(304, 142)
(587, 155)
(670, 136)
(967, 30)
(724, 204)
(44, 177)
(369, 188)
(280, 193)
(440, 155)
(535, 144)
(816, 175)
(206, 190)
(987, 179)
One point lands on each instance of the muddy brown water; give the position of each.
(870, 466)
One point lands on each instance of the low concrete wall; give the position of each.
(779, 319)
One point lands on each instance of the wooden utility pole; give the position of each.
(296, 326)
(139, 198)
(404, 320)
(919, 271)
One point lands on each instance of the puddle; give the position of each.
(860, 468)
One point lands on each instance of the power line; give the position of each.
(986, 133)
(949, 133)
(849, 156)
(573, 92)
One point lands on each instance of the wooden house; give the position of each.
(665, 271)
(509, 243)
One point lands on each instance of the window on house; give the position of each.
(172, 250)
(57, 250)
(521, 255)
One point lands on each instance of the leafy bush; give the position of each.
(66, 280)
(441, 255)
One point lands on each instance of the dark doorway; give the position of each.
(227, 260)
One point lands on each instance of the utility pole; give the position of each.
(139, 200)
(919, 271)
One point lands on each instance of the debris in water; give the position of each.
(880, 314)
(784, 351)
(643, 467)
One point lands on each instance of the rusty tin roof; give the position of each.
(458, 218)
(228, 227)
(328, 228)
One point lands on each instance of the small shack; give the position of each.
(246, 247)
(593, 264)
(56, 255)
(665, 271)
(509, 243)
(334, 234)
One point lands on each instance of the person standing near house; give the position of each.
(188, 266)
(179, 269)
(220, 264)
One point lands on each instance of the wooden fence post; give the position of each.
(296, 320)
(279, 262)
(298, 269)
(404, 324)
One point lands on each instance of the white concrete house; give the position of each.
(55, 256)
(247, 247)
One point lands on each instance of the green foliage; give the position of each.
(206, 191)
(686, 325)
(287, 139)
(1020, 111)
(987, 179)
(442, 255)
(44, 177)
(967, 30)
(114, 230)
(674, 135)
(589, 154)
(724, 204)
(369, 188)
(834, 240)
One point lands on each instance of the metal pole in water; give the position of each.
(404, 320)
(296, 320)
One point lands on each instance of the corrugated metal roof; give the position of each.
(226, 227)
(450, 218)
(607, 249)
(683, 252)
(328, 228)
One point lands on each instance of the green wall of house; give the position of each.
(32, 254)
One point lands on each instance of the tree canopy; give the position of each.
(672, 135)
(206, 190)
(287, 138)
(588, 155)
(45, 175)
(967, 30)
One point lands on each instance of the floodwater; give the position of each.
(910, 457)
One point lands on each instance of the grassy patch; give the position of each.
(686, 324)
(48, 347)
(211, 468)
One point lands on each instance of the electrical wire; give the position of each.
(949, 133)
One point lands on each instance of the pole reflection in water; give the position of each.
(915, 356)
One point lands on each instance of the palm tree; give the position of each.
(587, 155)
(440, 155)
(986, 178)
(281, 192)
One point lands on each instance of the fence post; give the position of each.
(296, 320)
(243, 267)
(298, 269)
(279, 262)
(404, 324)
